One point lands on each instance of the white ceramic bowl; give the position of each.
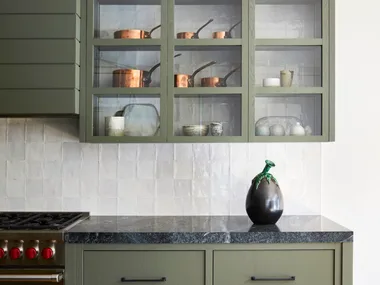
(271, 82)
(195, 130)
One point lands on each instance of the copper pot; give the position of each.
(224, 34)
(217, 81)
(135, 34)
(134, 78)
(186, 80)
(192, 35)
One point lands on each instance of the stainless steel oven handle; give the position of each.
(52, 278)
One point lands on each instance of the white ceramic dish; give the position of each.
(195, 130)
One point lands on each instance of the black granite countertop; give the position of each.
(205, 229)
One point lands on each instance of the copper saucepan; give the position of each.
(186, 80)
(224, 34)
(134, 78)
(217, 81)
(135, 34)
(192, 35)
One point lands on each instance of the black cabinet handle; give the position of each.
(291, 278)
(123, 279)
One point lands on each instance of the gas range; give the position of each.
(35, 239)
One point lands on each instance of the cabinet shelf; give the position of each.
(125, 139)
(211, 43)
(206, 139)
(208, 90)
(289, 42)
(288, 139)
(281, 91)
(124, 91)
(121, 45)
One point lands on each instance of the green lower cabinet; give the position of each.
(209, 264)
(301, 267)
(136, 267)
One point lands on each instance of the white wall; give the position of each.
(350, 167)
(44, 167)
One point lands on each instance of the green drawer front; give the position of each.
(39, 76)
(39, 6)
(39, 27)
(178, 267)
(18, 102)
(40, 51)
(310, 267)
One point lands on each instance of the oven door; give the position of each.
(28, 276)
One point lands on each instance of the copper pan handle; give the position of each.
(196, 35)
(152, 30)
(201, 68)
(229, 31)
(223, 83)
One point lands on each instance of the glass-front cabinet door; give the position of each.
(126, 70)
(209, 70)
(208, 82)
(290, 94)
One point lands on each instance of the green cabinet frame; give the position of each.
(248, 91)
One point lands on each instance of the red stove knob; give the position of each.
(15, 253)
(47, 253)
(2, 253)
(31, 253)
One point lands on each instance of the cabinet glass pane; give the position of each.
(190, 15)
(227, 59)
(305, 61)
(137, 116)
(126, 66)
(207, 115)
(120, 15)
(280, 115)
(288, 19)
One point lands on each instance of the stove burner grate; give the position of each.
(37, 221)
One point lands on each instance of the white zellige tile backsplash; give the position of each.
(44, 167)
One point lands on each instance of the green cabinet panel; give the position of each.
(39, 6)
(311, 267)
(40, 26)
(39, 76)
(36, 102)
(39, 51)
(177, 267)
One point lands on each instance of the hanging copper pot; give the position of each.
(186, 80)
(224, 34)
(135, 34)
(217, 81)
(192, 35)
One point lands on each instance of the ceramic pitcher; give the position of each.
(286, 78)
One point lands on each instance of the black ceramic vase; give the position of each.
(264, 204)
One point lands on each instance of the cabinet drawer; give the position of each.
(39, 6)
(109, 267)
(311, 267)
(40, 26)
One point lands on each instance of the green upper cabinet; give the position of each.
(208, 71)
(40, 57)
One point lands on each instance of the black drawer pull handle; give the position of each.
(291, 278)
(123, 279)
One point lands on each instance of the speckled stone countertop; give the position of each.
(205, 229)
